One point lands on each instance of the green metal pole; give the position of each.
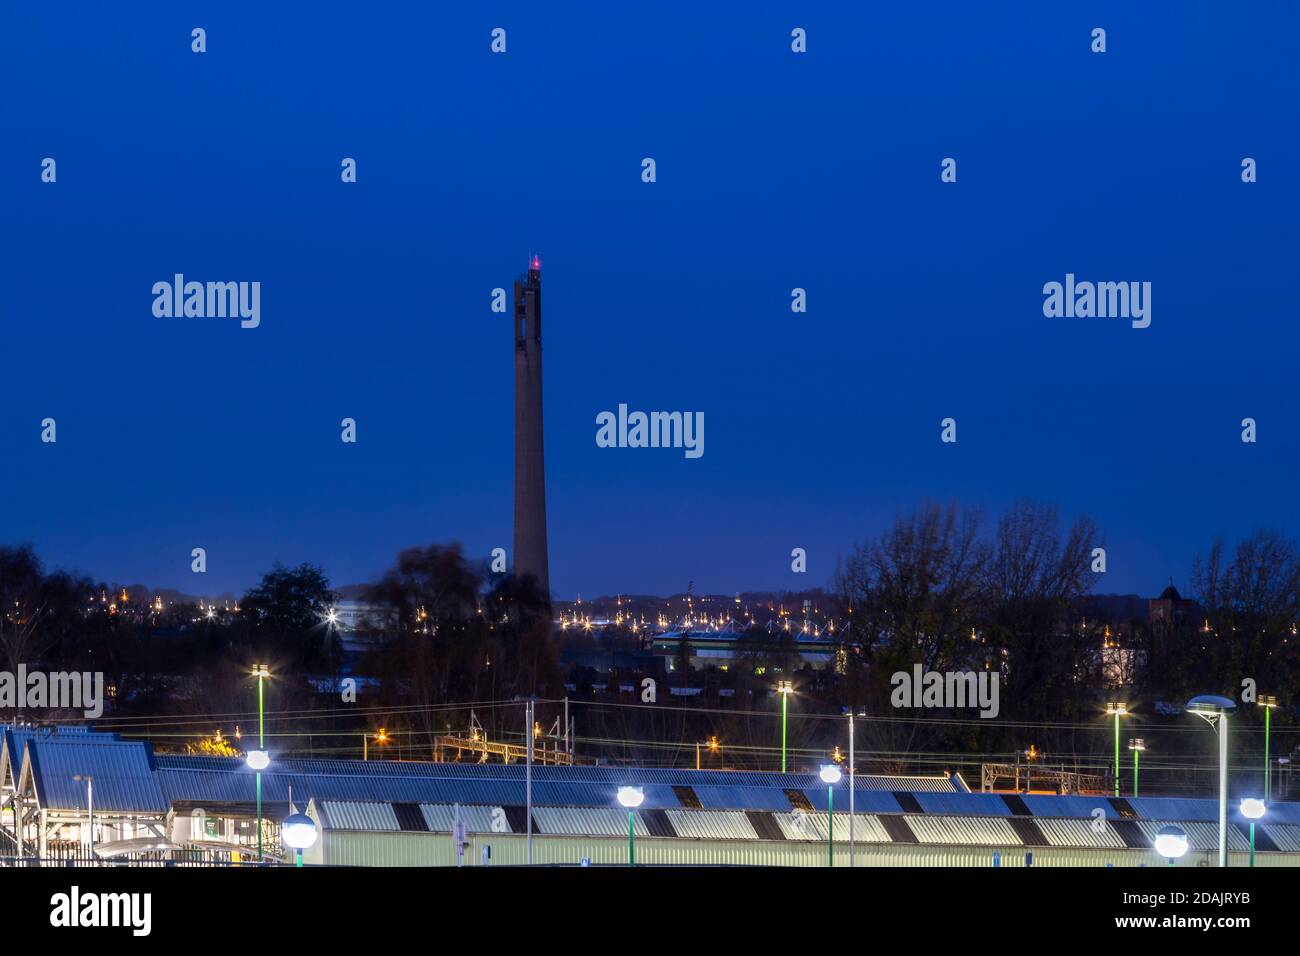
(830, 826)
(1117, 753)
(1268, 794)
(261, 745)
(1252, 842)
(785, 698)
(1135, 772)
(631, 838)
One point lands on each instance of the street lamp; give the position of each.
(299, 832)
(1118, 710)
(785, 689)
(1137, 745)
(258, 759)
(1171, 843)
(1268, 702)
(261, 672)
(713, 746)
(1214, 710)
(1252, 809)
(631, 797)
(831, 776)
(380, 738)
(90, 808)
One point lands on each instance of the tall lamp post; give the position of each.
(380, 738)
(852, 787)
(1214, 710)
(1117, 710)
(1137, 745)
(785, 689)
(1252, 809)
(713, 746)
(261, 672)
(90, 808)
(831, 776)
(1268, 702)
(631, 797)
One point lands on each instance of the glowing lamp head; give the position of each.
(298, 831)
(258, 759)
(1252, 808)
(1171, 842)
(1211, 706)
(831, 774)
(261, 670)
(785, 687)
(631, 797)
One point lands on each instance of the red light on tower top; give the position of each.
(537, 264)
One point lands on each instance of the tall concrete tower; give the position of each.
(530, 468)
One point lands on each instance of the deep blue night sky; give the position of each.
(775, 171)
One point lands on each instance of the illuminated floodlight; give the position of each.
(258, 759)
(298, 831)
(1171, 842)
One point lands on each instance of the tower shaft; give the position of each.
(530, 554)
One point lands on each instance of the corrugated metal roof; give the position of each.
(122, 770)
(986, 804)
(14, 739)
(1284, 812)
(1286, 837)
(1200, 834)
(963, 831)
(1174, 808)
(747, 798)
(586, 821)
(1070, 806)
(612, 777)
(712, 824)
(1078, 833)
(578, 794)
(797, 825)
(870, 802)
(909, 784)
(440, 816)
(355, 815)
(215, 780)
(239, 786)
